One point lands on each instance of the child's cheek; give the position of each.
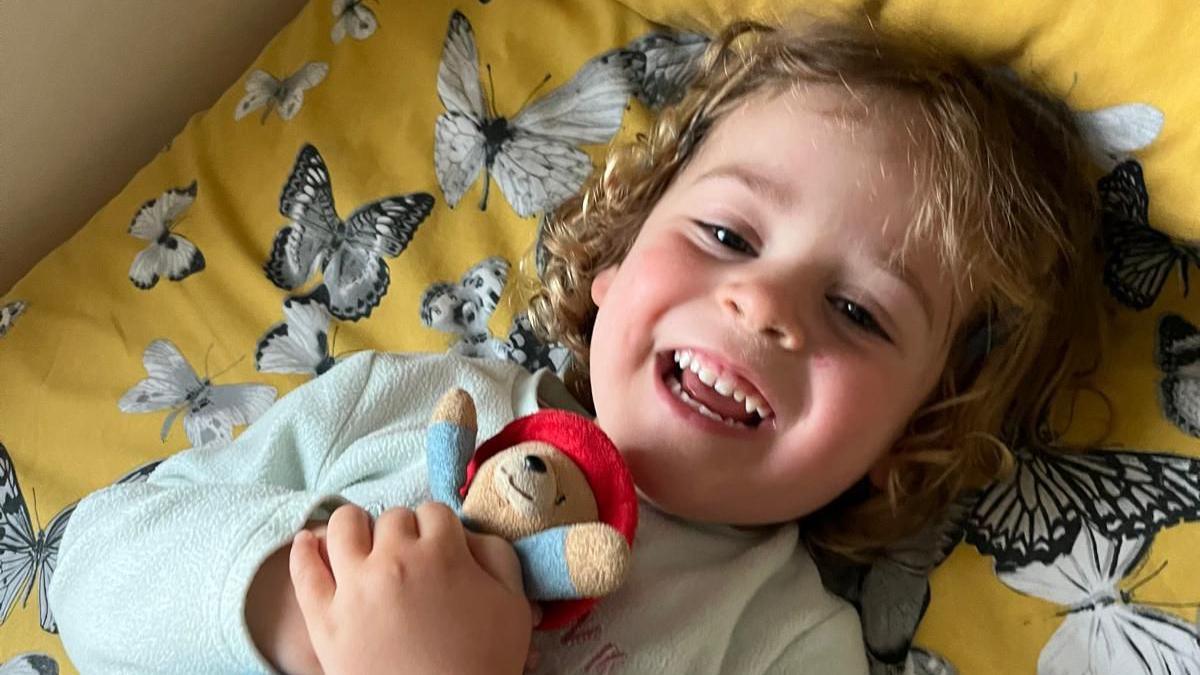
(851, 412)
(675, 254)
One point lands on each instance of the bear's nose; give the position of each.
(535, 464)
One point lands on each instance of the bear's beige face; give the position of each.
(528, 488)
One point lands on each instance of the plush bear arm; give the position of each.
(598, 558)
(573, 561)
(449, 442)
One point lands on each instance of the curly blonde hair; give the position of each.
(1005, 197)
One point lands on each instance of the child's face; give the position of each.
(767, 261)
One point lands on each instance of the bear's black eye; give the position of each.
(560, 500)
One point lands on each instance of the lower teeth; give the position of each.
(677, 389)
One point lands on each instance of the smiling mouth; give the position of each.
(513, 485)
(719, 398)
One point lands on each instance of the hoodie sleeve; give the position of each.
(152, 577)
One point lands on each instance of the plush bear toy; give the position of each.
(551, 483)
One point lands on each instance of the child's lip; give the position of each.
(693, 418)
(746, 378)
(665, 366)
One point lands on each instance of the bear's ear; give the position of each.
(457, 407)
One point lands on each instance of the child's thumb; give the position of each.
(311, 576)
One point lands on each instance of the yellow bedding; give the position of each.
(207, 268)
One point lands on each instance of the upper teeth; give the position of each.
(724, 384)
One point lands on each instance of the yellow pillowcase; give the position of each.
(339, 115)
(362, 88)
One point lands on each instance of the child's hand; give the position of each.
(413, 597)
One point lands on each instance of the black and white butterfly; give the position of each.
(463, 308)
(352, 17)
(1178, 357)
(892, 593)
(349, 254)
(30, 663)
(28, 556)
(9, 313)
(284, 96)
(210, 412)
(169, 255)
(1112, 133)
(300, 343)
(1104, 631)
(670, 62)
(1035, 514)
(534, 155)
(529, 351)
(1139, 258)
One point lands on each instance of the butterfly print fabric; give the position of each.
(168, 255)
(210, 412)
(1139, 257)
(534, 156)
(1178, 357)
(285, 96)
(349, 254)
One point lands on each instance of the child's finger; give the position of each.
(348, 540)
(395, 528)
(441, 526)
(497, 557)
(311, 579)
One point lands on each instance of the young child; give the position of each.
(805, 307)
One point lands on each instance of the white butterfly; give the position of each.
(1178, 357)
(210, 411)
(533, 156)
(27, 556)
(353, 17)
(169, 254)
(9, 314)
(1112, 133)
(262, 89)
(30, 663)
(299, 344)
(463, 309)
(1103, 632)
(671, 62)
(349, 254)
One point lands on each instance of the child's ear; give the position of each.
(601, 283)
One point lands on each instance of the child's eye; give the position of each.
(728, 238)
(859, 316)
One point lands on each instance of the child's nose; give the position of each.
(760, 310)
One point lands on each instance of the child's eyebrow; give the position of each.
(903, 274)
(766, 186)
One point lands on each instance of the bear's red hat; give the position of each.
(601, 463)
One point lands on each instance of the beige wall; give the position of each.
(91, 89)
